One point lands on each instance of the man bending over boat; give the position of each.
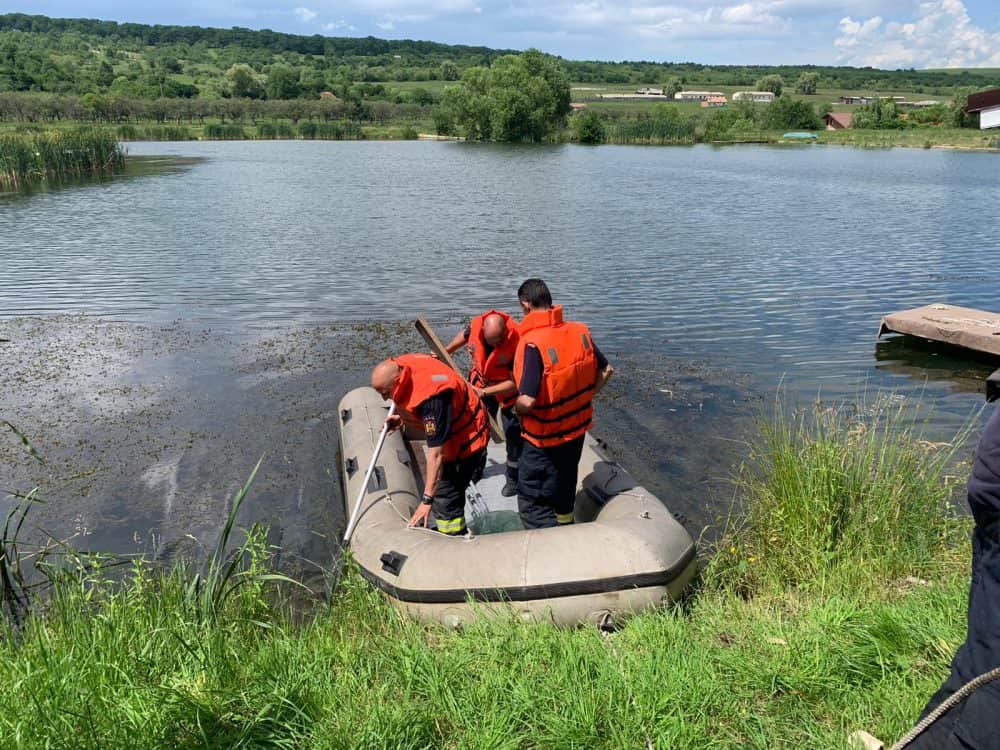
(429, 393)
(558, 371)
(492, 341)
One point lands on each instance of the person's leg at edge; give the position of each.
(449, 499)
(514, 444)
(568, 468)
(537, 484)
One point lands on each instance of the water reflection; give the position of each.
(961, 370)
(135, 167)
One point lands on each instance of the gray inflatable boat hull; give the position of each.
(625, 554)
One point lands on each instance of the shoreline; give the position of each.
(917, 138)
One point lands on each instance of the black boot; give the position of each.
(510, 488)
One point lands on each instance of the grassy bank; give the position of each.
(835, 605)
(26, 157)
(639, 130)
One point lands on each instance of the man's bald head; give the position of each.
(385, 375)
(494, 328)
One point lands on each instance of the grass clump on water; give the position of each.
(29, 156)
(797, 654)
(842, 497)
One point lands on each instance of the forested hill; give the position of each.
(83, 56)
(273, 41)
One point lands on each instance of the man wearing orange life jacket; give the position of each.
(558, 371)
(492, 341)
(427, 391)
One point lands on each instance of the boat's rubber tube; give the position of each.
(625, 554)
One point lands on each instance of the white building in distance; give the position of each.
(695, 96)
(987, 104)
(758, 97)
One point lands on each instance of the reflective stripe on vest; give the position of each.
(424, 377)
(498, 365)
(563, 409)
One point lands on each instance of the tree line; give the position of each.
(43, 108)
(79, 56)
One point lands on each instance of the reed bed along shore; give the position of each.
(834, 604)
(29, 156)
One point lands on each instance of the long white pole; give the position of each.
(368, 475)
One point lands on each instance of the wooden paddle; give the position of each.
(425, 330)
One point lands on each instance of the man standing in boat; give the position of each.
(492, 341)
(558, 371)
(429, 393)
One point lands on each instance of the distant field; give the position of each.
(956, 71)
(589, 92)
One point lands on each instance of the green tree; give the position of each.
(105, 74)
(791, 114)
(448, 71)
(589, 127)
(520, 98)
(422, 96)
(881, 114)
(283, 83)
(773, 83)
(672, 86)
(243, 83)
(957, 116)
(806, 83)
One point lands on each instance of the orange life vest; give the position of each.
(563, 408)
(498, 365)
(423, 377)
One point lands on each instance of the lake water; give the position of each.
(718, 273)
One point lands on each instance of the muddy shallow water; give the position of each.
(147, 432)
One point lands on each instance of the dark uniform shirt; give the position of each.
(531, 376)
(435, 413)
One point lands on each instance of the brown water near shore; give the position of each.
(148, 431)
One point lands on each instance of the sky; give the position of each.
(880, 33)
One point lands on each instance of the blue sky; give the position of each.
(881, 33)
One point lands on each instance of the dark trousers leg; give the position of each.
(546, 487)
(449, 497)
(514, 441)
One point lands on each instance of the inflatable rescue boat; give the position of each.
(624, 554)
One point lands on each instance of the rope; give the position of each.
(946, 706)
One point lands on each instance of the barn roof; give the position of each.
(983, 100)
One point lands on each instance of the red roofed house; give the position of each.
(987, 104)
(838, 120)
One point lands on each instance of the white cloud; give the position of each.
(386, 25)
(340, 25)
(941, 36)
(748, 14)
(305, 15)
(652, 20)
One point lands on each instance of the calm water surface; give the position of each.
(770, 265)
(776, 261)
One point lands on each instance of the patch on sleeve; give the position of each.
(430, 426)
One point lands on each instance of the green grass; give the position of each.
(929, 137)
(805, 627)
(31, 156)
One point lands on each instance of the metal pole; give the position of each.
(368, 475)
